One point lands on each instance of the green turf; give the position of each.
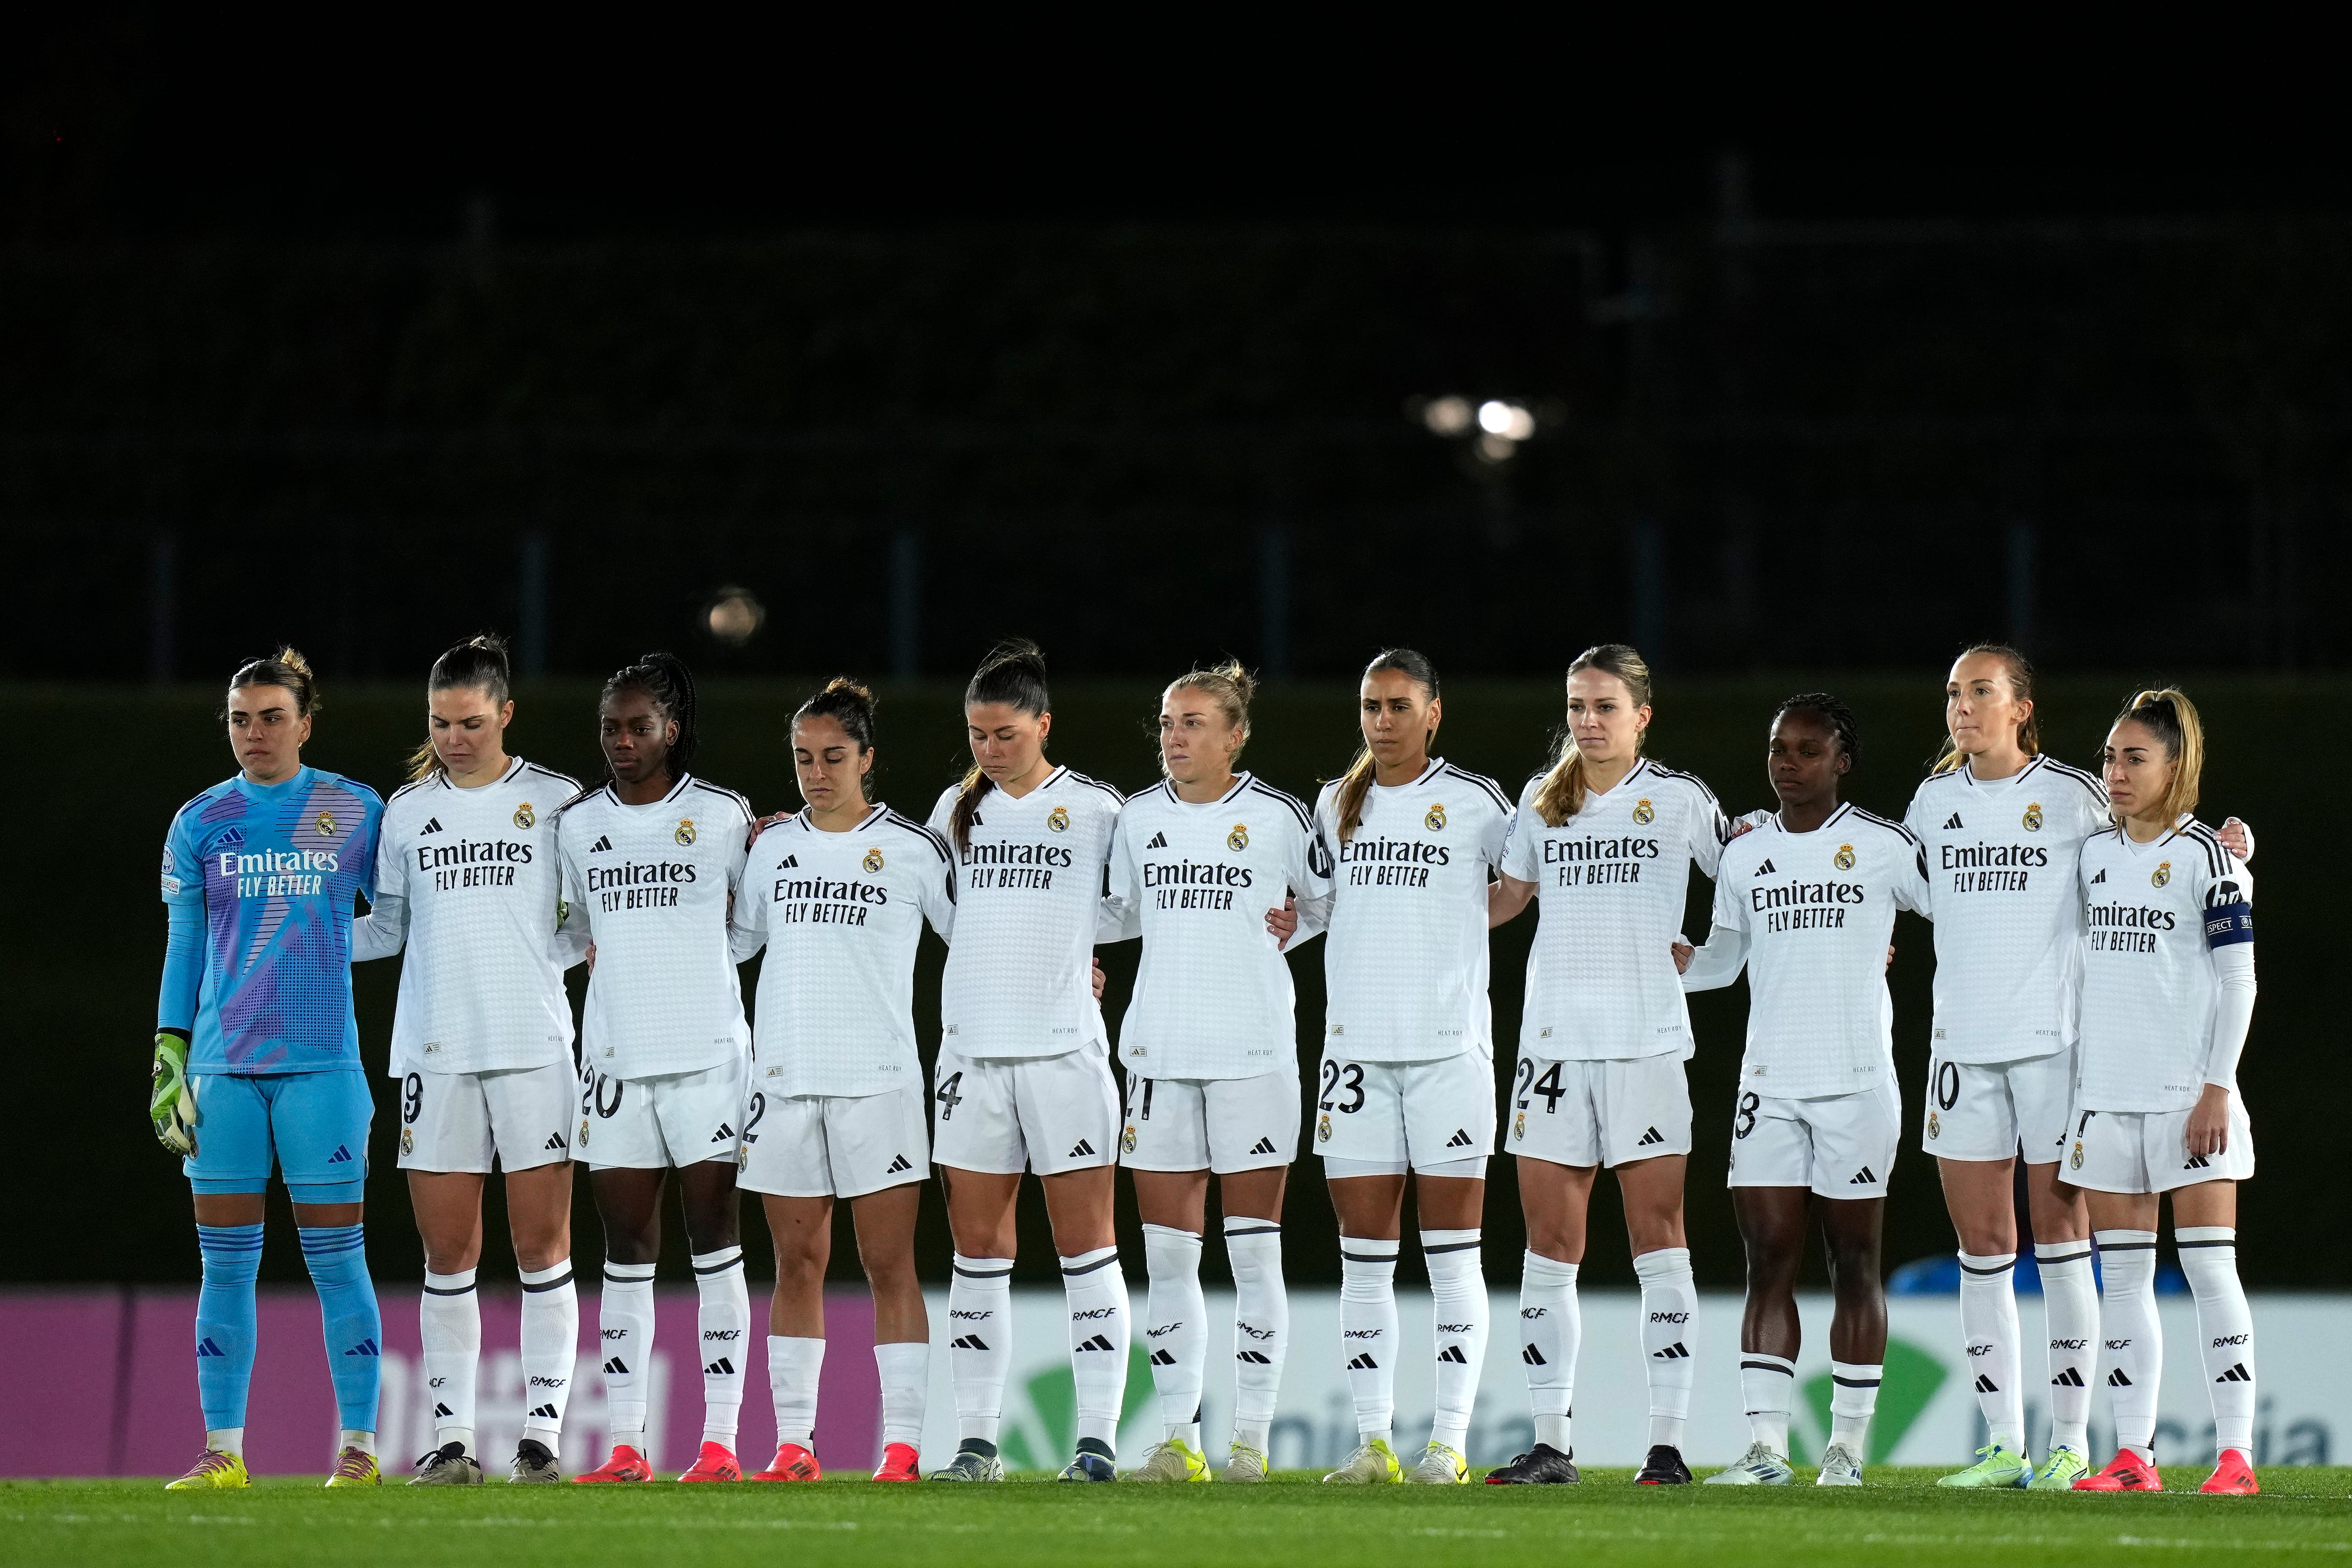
(1902, 1518)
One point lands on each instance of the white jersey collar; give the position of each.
(1641, 766)
(874, 814)
(2020, 776)
(1427, 774)
(1834, 818)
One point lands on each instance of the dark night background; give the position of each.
(373, 331)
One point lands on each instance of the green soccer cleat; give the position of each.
(1996, 1467)
(1244, 1463)
(2060, 1471)
(212, 1469)
(1760, 1466)
(1440, 1467)
(1373, 1463)
(1174, 1460)
(355, 1468)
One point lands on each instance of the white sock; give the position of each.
(2070, 1312)
(1669, 1325)
(550, 1351)
(1853, 1395)
(906, 1369)
(1368, 1333)
(1099, 1335)
(1989, 1333)
(980, 1341)
(2225, 1331)
(226, 1440)
(1767, 1385)
(794, 1367)
(449, 1328)
(363, 1441)
(1460, 1309)
(2127, 1310)
(1552, 1329)
(624, 1317)
(1261, 1326)
(724, 1316)
(1174, 1331)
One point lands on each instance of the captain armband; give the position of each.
(2228, 923)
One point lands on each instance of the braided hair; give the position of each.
(664, 677)
(1830, 711)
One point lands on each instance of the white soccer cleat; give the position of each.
(1243, 1464)
(1174, 1460)
(1373, 1463)
(1840, 1467)
(1440, 1467)
(1760, 1466)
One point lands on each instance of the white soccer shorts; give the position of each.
(1005, 1115)
(460, 1120)
(1220, 1124)
(835, 1145)
(1842, 1145)
(1586, 1113)
(668, 1122)
(2147, 1151)
(1988, 1111)
(1380, 1118)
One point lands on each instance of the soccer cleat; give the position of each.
(793, 1463)
(1841, 1467)
(2234, 1475)
(1243, 1464)
(1663, 1467)
(1542, 1466)
(717, 1462)
(534, 1464)
(626, 1465)
(1373, 1463)
(1440, 1467)
(212, 1469)
(1174, 1460)
(1760, 1466)
(2126, 1472)
(2060, 1470)
(972, 1464)
(900, 1463)
(355, 1468)
(1092, 1462)
(1996, 1467)
(446, 1466)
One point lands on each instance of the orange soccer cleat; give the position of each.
(717, 1462)
(2126, 1472)
(626, 1465)
(792, 1463)
(900, 1463)
(2232, 1477)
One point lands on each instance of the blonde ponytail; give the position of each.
(1561, 795)
(2172, 718)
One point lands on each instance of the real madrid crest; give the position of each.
(1645, 813)
(2161, 875)
(1435, 820)
(1126, 1138)
(582, 1141)
(1323, 1127)
(1058, 819)
(326, 824)
(1520, 1125)
(407, 1141)
(1934, 1128)
(2033, 817)
(684, 833)
(1238, 840)
(524, 817)
(2074, 1160)
(873, 861)
(1844, 862)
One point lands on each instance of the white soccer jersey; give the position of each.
(1611, 881)
(1029, 890)
(651, 884)
(841, 914)
(1404, 965)
(1816, 910)
(2155, 913)
(1213, 995)
(2002, 857)
(469, 881)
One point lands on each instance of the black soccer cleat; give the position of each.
(1542, 1466)
(1663, 1467)
(1093, 1462)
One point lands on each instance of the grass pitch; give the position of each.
(1902, 1517)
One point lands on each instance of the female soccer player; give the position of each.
(1808, 901)
(468, 880)
(2167, 994)
(2004, 829)
(839, 894)
(1606, 838)
(1206, 862)
(257, 1052)
(1407, 1080)
(1023, 1075)
(653, 859)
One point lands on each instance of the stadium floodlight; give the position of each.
(735, 615)
(1447, 415)
(1509, 420)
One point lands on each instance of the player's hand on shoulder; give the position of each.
(761, 825)
(1282, 924)
(2237, 838)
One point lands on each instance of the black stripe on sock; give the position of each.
(1449, 1246)
(1854, 1382)
(982, 1273)
(549, 1284)
(734, 1262)
(1258, 1230)
(2002, 1269)
(1070, 1273)
(2063, 1257)
(2185, 1245)
(645, 1278)
(2126, 1246)
(1366, 1257)
(460, 1291)
(1767, 1366)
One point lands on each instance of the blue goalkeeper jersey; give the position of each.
(260, 881)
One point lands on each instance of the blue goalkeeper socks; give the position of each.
(224, 1319)
(337, 1257)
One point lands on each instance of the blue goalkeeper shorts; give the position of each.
(311, 1126)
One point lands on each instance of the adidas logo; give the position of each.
(1533, 1357)
(723, 1367)
(233, 839)
(1363, 1364)
(1650, 1136)
(968, 1342)
(1258, 1358)
(1460, 1140)
(1263, 1146)
(1861, 1178)
(544, 1412)
(341, 1156)
(1454, 1354)
(724, 1133)
(205, 1347)
(365, 1347)
(1159, 841)
(604, 842)
(1766, 869)
(554, 1141)
(1953, 825)
(616, 1367)
(2237, 1374)
(441, 1410)
(1162, 1358)
(1084, 1147)
(2100, 877)
(898, 1162)
(1674, 1351)
(2196, 1163)
(791, 862)
(1095, 1342)
(1987, 1385)
(2071, 1378)
(432, 826)
(2116, 1379)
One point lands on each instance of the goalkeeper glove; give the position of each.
(172, 1103)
